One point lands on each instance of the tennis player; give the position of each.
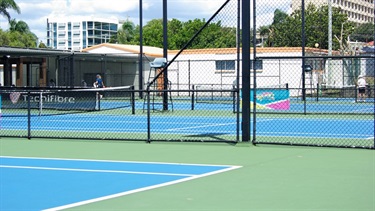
(99, 82)
(361, 88)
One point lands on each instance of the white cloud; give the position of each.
(107, 6)
(36, 12)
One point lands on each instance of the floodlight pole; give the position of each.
(329, 35)
(7, 71)
(255, 72)
(329, 27)
(165, 54)
(303, 51)
(140, 64)
(245, 71)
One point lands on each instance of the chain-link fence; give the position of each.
(323, 101)
(298, 95)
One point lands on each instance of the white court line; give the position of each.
(112, 121)
(228, 168)
(201, 126)
(264, 120)
(117, 130)
(93, 170)
(363, 109)
(137, 190)
(316, 120)
(111, 161)
(302, 133)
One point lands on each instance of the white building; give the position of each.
(215, 69)
(77, 33)
(218, 68)
(358, 11)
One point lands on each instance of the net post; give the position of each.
(0, 110)
(40, 103)
(132, 98)
(28, 115)
(317, 92)
(192, 97)
(97, 102)
(148, 116)
(234, 98)
(196, 97)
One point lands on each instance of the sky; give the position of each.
(36, 12)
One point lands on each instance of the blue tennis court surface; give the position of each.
(194, 125)
(55, 184)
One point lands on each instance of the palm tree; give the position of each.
(126, 33)
(20, 26)
(8, 4)
(264, 32)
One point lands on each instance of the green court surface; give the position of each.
(271, 177)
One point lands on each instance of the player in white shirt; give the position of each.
(361, 83)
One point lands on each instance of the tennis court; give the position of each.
(95, 175)
(74, 182)
(195, 125)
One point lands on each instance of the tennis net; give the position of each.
(214, 93)
(338, 91)
(61, 101)
(274, 87)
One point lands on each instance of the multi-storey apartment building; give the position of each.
(358, 11)
(79, 33)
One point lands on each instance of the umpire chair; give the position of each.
(155, 67)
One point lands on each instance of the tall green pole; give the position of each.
(245, 71)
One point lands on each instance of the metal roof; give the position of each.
(21, 52)
(14, 52)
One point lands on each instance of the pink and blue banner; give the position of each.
(270, 99)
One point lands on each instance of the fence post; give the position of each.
(132, 97)
(148, 116)
(192, 98)
(28, 116)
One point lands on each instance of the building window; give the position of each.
(90, 25)
(225, 67)
(258, 65)
(113, 27)
(61, 26)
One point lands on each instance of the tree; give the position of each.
(364, 33)
(287, 31)
(179, 34)
(5, 5)
(317, 26)
(175, 30)
(264, 32)
(42, 45)
(153, 33)
(279, 17)
(19, 26)
(125, 35)
(4, 38)
(18, 35)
